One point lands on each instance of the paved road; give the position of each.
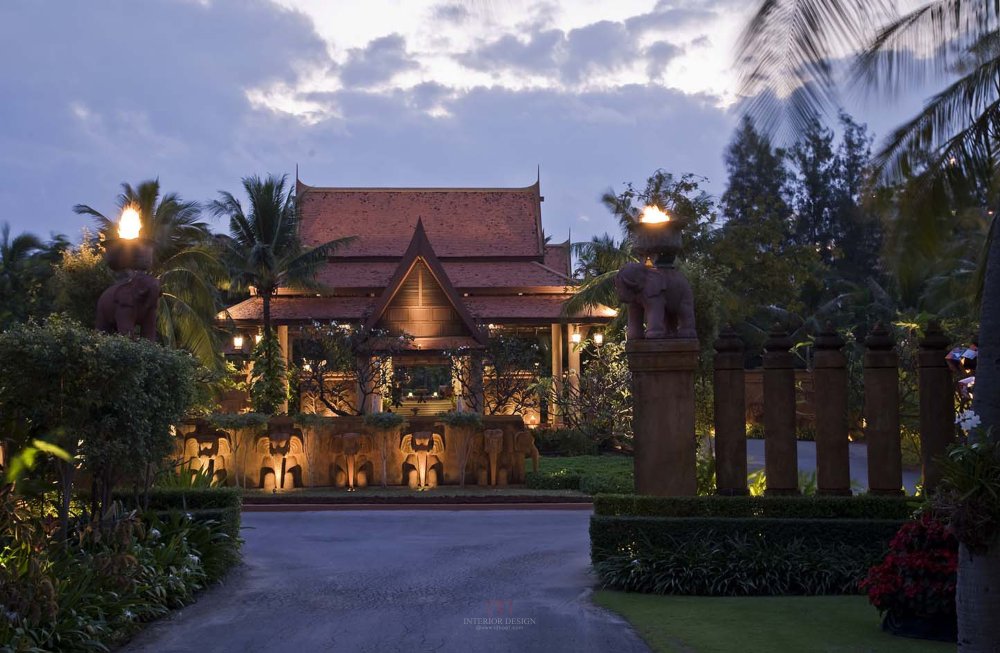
(807, 462)
(407, 581)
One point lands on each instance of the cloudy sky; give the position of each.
(377, 93)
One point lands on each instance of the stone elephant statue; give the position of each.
(424, 451)
(660, 299)
(129, 303)
(352, 462)
(523, 446)
(490, 447)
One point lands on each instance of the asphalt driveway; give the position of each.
(408, 581)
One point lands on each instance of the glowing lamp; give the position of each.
(599, 338)
(257, 338)
(237, 342)
(129, 251)
(653, 215)
(575, 337)
(656, 235)
(129, 225)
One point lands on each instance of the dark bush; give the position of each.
(736, 556)
(817, 507)
(564, 442)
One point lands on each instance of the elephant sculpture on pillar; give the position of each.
(423, 450)
(660, 302)
(352, 459)
(129, 303)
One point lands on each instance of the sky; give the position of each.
(200, 93)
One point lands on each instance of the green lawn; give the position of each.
(608, 465)
(799, 624)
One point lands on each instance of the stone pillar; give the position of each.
(663, 419)
(730, 415)
(937, 403)
(881, 414)
(557, 371)
(781, 459)
(833, 459)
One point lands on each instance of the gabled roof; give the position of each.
(420, 250)
(462, 222)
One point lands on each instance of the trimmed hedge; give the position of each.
(818, 507)
(736, 556)
(188, 499)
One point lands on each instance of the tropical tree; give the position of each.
(953, 143)
(15, 260)
(184, 259)
(263, 250)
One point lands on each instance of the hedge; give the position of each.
(187, 499)
(818, 507)
(737, 556)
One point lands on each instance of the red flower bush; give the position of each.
(917, 577)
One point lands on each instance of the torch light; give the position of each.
(129, 251)
(657, 235)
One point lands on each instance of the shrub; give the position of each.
(821, 507)
(462, 419)
(736, 556)
(918, 576)
(384, 421)
(564, 442)
(591, 474)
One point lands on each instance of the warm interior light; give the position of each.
(653, 214)
(257, 338)
(129, 224)
(599, 338)
(575, 338)
(237, 342)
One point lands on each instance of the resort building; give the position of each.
(448, 266)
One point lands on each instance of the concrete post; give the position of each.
(730, 415)
(937, 403)
(663, 419)
(833, 460)
(881, 414)
(781, 460)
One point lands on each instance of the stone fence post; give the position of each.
(937, 403)
(663, 415)
(881, 413)
(781, 461)
(833, 460)
(730, 415)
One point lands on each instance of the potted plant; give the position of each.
(914, 587)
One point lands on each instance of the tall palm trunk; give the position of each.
(978, 592)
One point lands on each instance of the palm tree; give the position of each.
(264, 252)
(953, 143)
(15, 258)
(185, 261)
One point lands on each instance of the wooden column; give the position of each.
(833, 459)
(574, 354)
(663, 418)
(881, 414)
(937, 403)
(781, 459)
(730, 415)
(286, 354)
(557, 371)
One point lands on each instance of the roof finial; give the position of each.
(538, 174)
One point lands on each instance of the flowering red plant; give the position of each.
(917, 577)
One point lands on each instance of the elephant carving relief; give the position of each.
(524, 446)
(490, 445)
(500, 456)
(352, 465)
(660, 302)
(209, 450)
(130, 303)
(282, 456)
(424, 451)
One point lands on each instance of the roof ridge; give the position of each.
(422, 189)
